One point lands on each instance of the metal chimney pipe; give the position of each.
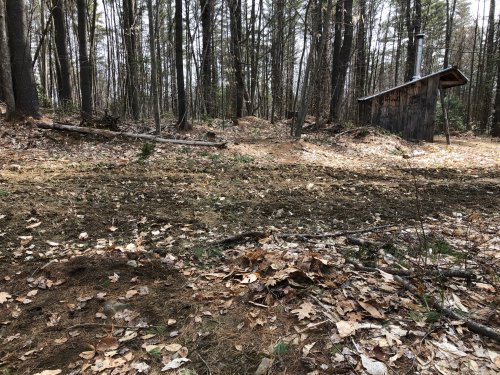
(420, 46)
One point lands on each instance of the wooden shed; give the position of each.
(409, 109)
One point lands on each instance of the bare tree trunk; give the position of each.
(182, 123)
(495, 126)
(23, 79)
(471, 74)
(312, 66)
(60, 36)
(129, 30)
(5, 67)
(43, 51)
(450, 14)
(277, 60)
(413, 25)
(489, 71)
(339, 71)
(236, 39)
(360, 65)
(154, 67)
(85, 64)
(207, 57)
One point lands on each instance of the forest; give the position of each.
(249, 187)
(204, 60)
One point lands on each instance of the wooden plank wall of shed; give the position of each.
(408, 111)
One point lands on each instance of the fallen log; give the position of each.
(109, 133)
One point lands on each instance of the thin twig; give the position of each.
(208, 368)
(83, 325)
(332, 316)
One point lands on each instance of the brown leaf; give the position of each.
(304, 311)
(107, 343)
(372, 310)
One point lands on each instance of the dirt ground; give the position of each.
(109, 260)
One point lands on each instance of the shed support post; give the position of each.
(445, 115)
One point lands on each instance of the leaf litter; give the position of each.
(118, 273)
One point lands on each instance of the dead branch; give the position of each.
(334, 234)
(102, 325)
(109, 133)
(474, 326)
(412, 273)
(238, 238)
(362, 242)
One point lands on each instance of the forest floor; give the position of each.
(120, 258)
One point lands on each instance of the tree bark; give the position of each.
(450, 14)
(154, 67)
(23, 79)
(339, 71)
(60, 36)
(207, 56)
(360, 66)
(495, 127)
(236, 38)
(129, 31)
(85, 63)
(489, 71)
(182, 123)
(277, 60)
(413, 18)
(5, 67)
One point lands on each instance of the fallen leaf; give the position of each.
(346, 328)
(141, 367)
(175, 363)
(107, 343)
(129, 335)
(49, 372)
(131, 293)
(307, 348)
(449, 348)
(88, 354)
(4, 296)
(304, 311)
(173, 347)
(373, 367)
(114, 278)
(372, 310)
(249, 278)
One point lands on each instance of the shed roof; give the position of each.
(449, 77)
